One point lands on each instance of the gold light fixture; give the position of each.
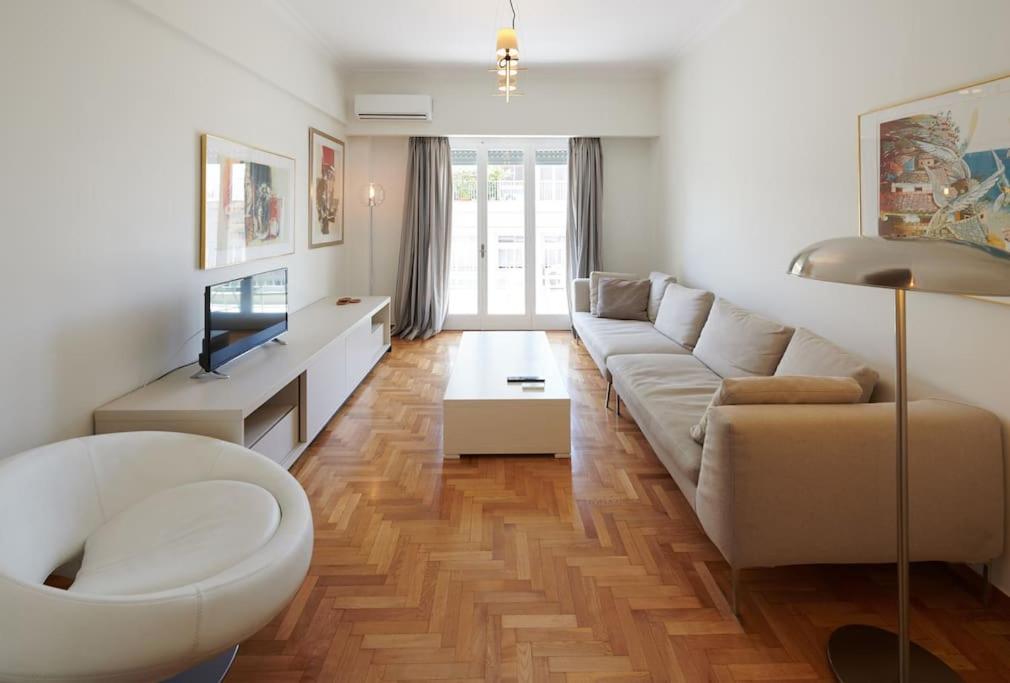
(507, 54)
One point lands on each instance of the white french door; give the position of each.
(508, 262)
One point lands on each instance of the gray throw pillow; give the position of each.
(623, 299)
(594, 285)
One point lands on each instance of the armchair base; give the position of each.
(211, 671)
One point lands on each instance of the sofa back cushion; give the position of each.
(594, 285)
(658, 282)
(683, 313)
(808, 354)
(623, 299)
(738, 343)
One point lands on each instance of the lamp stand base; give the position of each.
(867, 654)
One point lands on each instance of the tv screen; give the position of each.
(242, 314)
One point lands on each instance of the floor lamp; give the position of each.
(866, 653)
(374, 195)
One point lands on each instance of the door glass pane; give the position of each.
(463, 249)
(552, 194)
(506, 239)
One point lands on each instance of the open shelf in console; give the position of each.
(263, 420)
(274, 428)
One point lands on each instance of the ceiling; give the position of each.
(395, 34)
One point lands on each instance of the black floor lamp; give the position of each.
(859, 653)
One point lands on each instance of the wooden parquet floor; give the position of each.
(536, 569)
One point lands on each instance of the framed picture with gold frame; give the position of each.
(326, 190)
(247, 209)
(936, 167)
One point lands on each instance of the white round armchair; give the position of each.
(187, 546)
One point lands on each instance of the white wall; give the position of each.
(382, 160)
(630, 204)
(759, 160)
(557, 102)
(103, 107)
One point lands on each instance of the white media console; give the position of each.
(277, 397)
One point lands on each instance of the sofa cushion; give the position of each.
(621, 299)
(594, 284)
(738, 343)
(783, 389)
(176, 537)
(658, 282)
(809, 354)
(667, 394)
(683, 312)
(604, 337)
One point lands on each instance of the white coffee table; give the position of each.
(484, 414)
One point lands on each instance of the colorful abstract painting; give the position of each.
(326, 189)
(248, 203)
(936, 167)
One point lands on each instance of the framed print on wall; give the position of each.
(936, 167)
(248, 203)
(326, 190)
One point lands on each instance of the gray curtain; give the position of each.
(422, 281)
(585, 205)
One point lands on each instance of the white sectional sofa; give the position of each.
(780, 484)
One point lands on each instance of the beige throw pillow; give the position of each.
(623, 299)
(783, 389)
(738, 343)
(683, 313)
(594, 285)
(659, 281)
(808, 354)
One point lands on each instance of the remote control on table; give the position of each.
(524, 378)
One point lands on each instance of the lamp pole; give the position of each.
(374, 196)
(901, 408)
(860, 653)
(371, 208)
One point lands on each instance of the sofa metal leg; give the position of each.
(606, 401)
(617, 401)
(987, 583)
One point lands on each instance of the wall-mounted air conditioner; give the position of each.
(393, 107)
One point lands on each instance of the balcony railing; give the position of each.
(465, 190)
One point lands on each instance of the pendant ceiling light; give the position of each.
(507, 54)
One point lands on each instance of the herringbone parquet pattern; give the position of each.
(536, 569)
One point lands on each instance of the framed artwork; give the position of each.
(936, 167)
(248, 203)
(326, 190)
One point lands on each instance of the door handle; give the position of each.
(483, 250)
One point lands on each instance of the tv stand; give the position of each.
(213, 374)
(278, 399)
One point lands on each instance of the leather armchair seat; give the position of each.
(187, 546)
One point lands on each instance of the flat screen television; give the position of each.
(241, 314)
